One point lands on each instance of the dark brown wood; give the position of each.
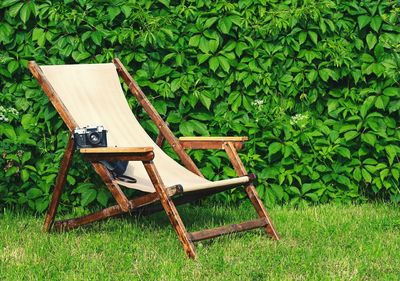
(112, 185)
(227, 229)
(214, 139)
(59, 186)
(170, 209)
(152, 112)
(251, 190)
(160, 140)
(110, 150)
(137, 156)
(114, 210)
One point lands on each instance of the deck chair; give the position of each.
(91, 94)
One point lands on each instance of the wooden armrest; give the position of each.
(96, 154)
(211, 142)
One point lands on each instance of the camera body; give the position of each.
(86, 137)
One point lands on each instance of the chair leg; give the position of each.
(170, 209)
(251, 190)
(58, 188)
(113, 187)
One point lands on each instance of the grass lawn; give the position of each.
(318, 243)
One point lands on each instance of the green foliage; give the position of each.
(314, 84)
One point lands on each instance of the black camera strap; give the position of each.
(117, 170)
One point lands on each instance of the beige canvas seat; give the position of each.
(91, 94)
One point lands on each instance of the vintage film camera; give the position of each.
(95, 136)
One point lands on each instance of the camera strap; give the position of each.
(117, 170)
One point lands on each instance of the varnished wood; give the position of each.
(212, 139)
(227, 229)
(119, 156)
(108, 150)
(60, 182)
(114, 210)
(170, 209)
(251, 190)
(160, 140)
(151, 111)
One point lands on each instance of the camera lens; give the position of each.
(94, 138)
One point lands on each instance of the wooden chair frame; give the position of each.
(164, 198)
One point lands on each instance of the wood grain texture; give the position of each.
(151, 111)
(211, 139)
(108, 150)
(59, 186)
(251, 190)
(227, 229)
(124, 156)
(160, 140)
(170, 209)
(115, 210)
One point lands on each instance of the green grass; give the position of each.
(318, 243)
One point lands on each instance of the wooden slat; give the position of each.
(136, 156)
(223, 139)
(116, 149)
(158, 121)
(114, 210)
(59, 186)
(227, 229)
(251, 190)
(170, 209)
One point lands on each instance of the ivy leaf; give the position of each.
(25, 12)
(350, 135)
(194, 40)
(343, 151)
(369, 138)
(392, 92)
(312, 75)
(97, 37)
(224, 63)
(376, 23)
(214, 63)
(366, 175)
(371, 40)
(225, 25)
(34, 193)
(203, 45)
(391, 153)
(313, 36)
(363, 21)
(274, 148)
(88, 196)
(209, 22)
(369, 101)
(102, 197)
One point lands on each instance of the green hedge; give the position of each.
(314, 84)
